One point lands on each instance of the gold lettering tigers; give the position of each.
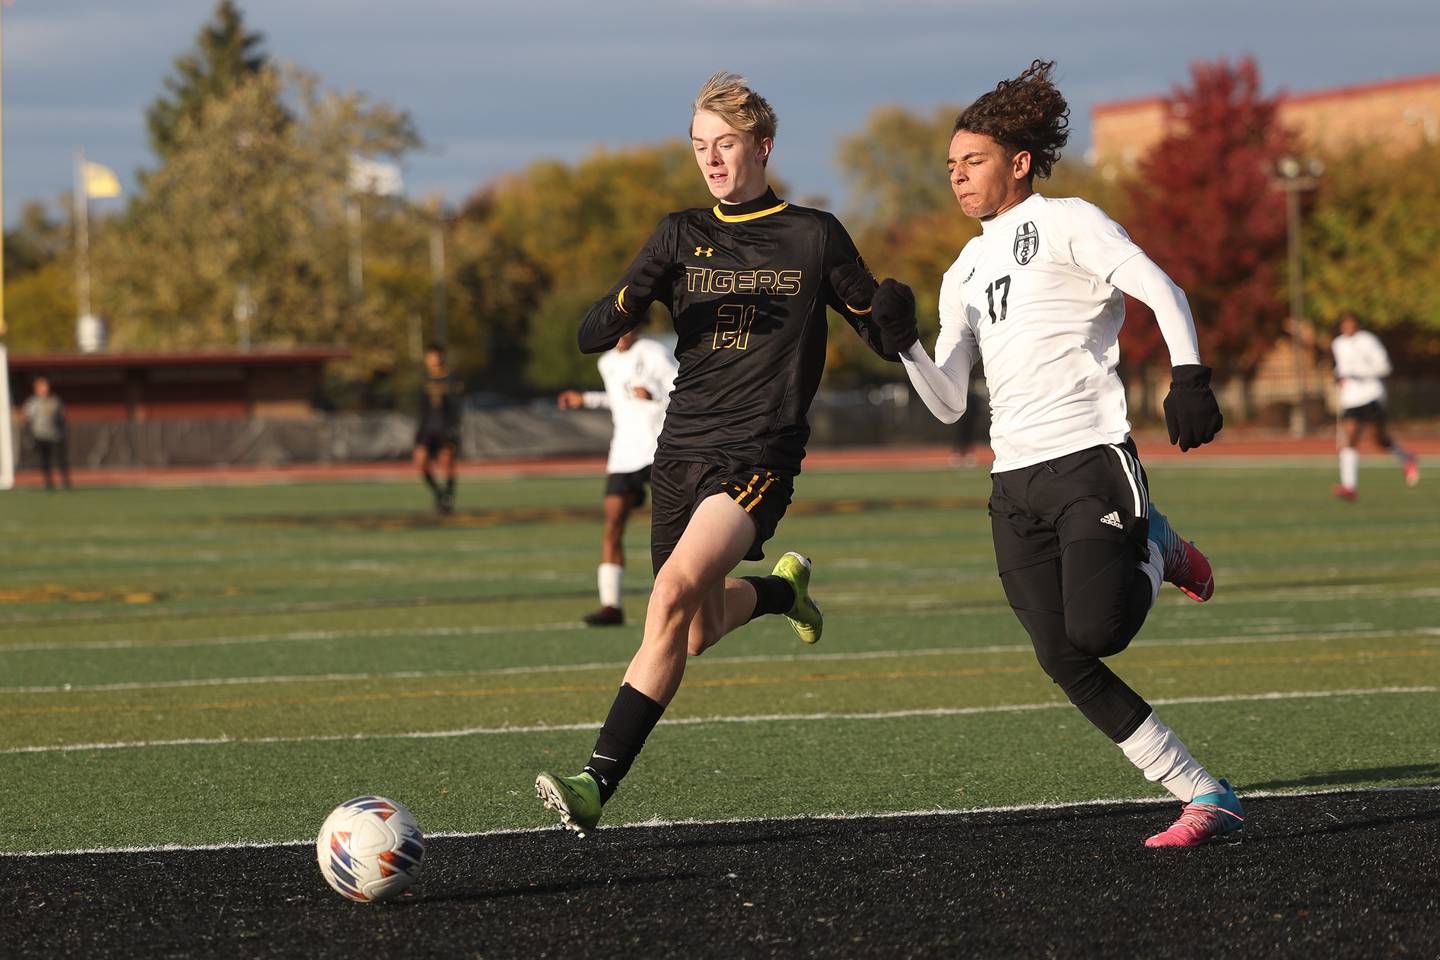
(785, 283)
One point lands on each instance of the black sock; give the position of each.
(430, 482)
(772, 595)
(450, 486)
(632, 717)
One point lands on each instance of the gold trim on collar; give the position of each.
(742, 217)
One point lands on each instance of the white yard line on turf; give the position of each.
(658, 824)
(1019, 648)
(699, 721)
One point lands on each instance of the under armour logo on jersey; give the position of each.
(704, 251)
(1113, 519)
(1027, 242)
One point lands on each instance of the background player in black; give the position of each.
(747, 283)
(437, 432)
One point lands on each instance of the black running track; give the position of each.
(1340, 875)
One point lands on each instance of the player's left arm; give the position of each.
(1101, 246)
(1379, 365)
(850, 287)
(1192, 414)
(453, 407)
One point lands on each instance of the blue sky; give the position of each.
(494, 86)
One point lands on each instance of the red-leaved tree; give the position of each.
(1204, 208)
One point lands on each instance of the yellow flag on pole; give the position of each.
(100, 181)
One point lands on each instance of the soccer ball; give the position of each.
(370, 848)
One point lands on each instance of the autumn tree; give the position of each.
(1371, 242)
(39, 282)
(535, 250)
(251, 203)
(1203, 207)
(225, 57)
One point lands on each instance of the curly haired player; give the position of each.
(1081, 549)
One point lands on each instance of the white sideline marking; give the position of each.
(698, 721)
(1024, 648)
(657, 823)
(287, 637)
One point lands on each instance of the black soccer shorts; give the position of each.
(1100, 493)
(631, 484)
(1372, 412)
(678, 487)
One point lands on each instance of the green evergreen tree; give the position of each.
(225, 56)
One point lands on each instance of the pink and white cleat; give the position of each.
(1203, 819)
(1192, 574)
(1412, 472)
(1345, 493)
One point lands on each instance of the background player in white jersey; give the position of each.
(1080, 548)
(639, 375)
(1361, 364)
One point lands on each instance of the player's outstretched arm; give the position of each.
(943, 386)
(852, 287)
(1192, 414)
(623, 308)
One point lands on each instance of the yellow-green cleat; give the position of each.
(576, 799)
(805, 617)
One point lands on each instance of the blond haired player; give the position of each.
(747, 283)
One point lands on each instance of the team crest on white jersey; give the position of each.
(1027, 242)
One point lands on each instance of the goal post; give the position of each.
(7, 449)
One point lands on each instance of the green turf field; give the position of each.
(214, 665)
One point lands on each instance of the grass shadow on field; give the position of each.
(577, 514)
(1356, 778)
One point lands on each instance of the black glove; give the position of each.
(641, 289)
(1191, 412)
(893, 310)
(854, 285)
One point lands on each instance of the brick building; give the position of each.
(1395, 113)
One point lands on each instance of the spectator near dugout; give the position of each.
(45, 424)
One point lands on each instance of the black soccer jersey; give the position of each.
(439, 405)
(747, 287)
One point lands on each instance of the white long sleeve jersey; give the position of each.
(1361, 363)
(1036, 297)
(648, 364)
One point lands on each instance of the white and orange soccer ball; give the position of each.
(370, 848)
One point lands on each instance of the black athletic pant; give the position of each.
(53, 452)
(1069, 537)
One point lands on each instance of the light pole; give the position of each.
(7, 454)
(1295, 176)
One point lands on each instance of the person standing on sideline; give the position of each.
(437, 431)
(45, 423)
(639, 375)
(748, 283)
(1080, 548)
(1361, 365)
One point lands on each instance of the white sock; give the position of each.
(610, 576)
(1349, 467)
(1164, 759)
(1154, 568)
